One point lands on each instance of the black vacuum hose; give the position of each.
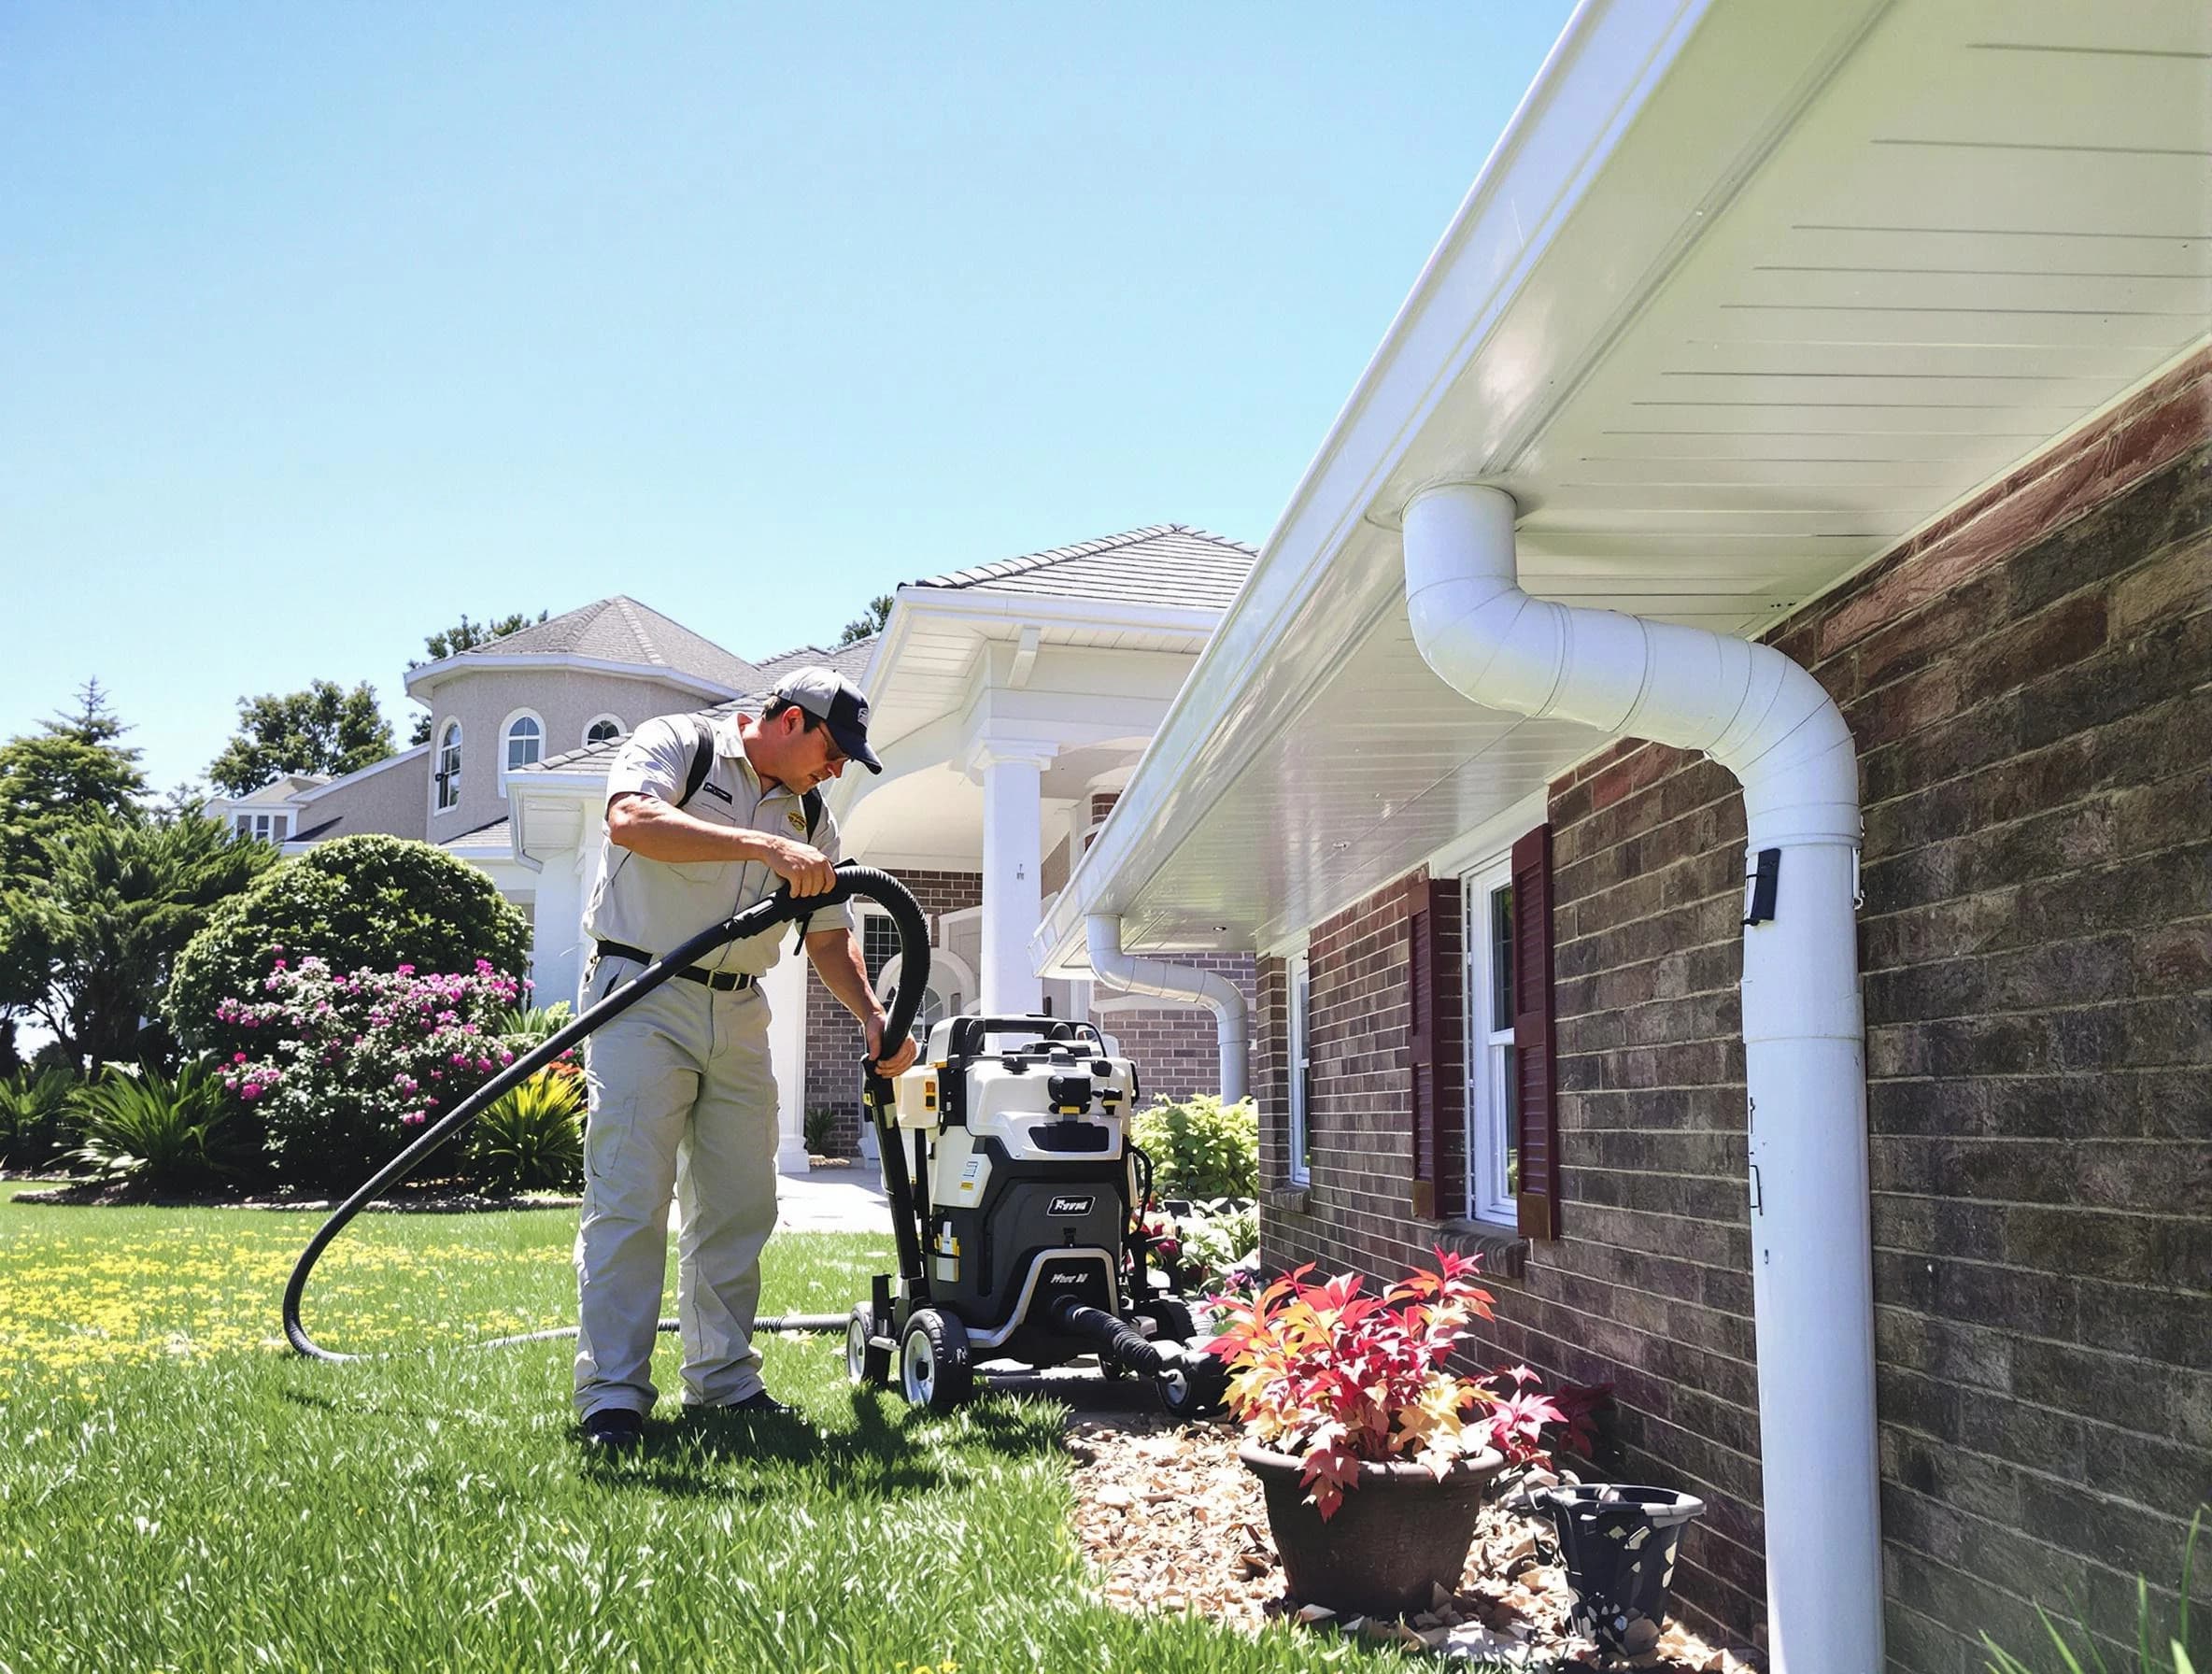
(1113, 1337)
(852, 879)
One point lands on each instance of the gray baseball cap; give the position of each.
(837, 703)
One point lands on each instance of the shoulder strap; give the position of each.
(703, 757)
(812, 802)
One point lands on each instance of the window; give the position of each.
(526, 734)
(1300, 977)
(445, 779)
(1493, 1079)
(266, 827)
(606, 729)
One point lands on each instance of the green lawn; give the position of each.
(177, 1493)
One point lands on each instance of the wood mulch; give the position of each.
(1175, 1523)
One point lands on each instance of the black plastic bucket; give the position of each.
(1618, 1542)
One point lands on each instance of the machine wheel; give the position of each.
(864, 1362)
(1193, 1387)
(933, 1364)
(1173, 1318)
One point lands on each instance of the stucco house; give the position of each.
(1715, 764)
(1010, 702)
(584, 677)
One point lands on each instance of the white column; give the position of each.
(557, 931)
(785, 989)
(1012, 855)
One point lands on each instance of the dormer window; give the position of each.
(264, 828)
(446, 780)
(605, 730)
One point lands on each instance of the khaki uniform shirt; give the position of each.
(657, 904)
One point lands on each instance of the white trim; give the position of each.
(438, 743)
(1298, 1060)
(411, 753)
(621, 730)
(1488, 1136)
(431, 673)
(507, 738)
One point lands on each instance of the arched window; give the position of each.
(526, 734)
(603, 730)
(447, 778)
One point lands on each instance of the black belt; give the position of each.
(722, 982)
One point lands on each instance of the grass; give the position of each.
(177, 1494)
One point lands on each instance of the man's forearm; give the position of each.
(649, 828)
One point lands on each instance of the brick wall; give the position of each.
(833, 1039)
(2030, 688)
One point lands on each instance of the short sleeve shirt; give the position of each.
(658, 904)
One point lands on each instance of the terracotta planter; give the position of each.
(1396, 1537)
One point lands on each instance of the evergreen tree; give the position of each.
(70, 767)
(879, 612)
(323, 729)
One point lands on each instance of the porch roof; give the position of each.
(1749, 291)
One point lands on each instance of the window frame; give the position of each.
(1491, 1138)
(506, 744)
(621, 731)
(444, 788)
(1297, 1008)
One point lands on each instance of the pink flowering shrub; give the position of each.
(346, 1068)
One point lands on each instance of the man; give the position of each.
(683, 1096)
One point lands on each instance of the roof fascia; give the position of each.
(412, 753)
(431, 675)
(1599, 77)
(978, 604)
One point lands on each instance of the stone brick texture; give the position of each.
(2030, 684)
(833, 1038)
(1175, 1050)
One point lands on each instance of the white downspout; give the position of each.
(1126, 973)
(1769, 723)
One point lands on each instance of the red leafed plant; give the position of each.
(1336, 1377)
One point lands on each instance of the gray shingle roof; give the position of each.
(621, 629)
(849, 660)
(493, 835)
(1169, 563)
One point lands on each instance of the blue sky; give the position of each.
(318, 326)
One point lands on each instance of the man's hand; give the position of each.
(899, 1059)
(808, 871)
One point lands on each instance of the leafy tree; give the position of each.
(879, 612)
(120, 896)
(464, 635)
(323, 729)
(371, 902)
(70, 770)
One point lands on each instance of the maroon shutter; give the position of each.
(1534, 1051)
(1434, 1047)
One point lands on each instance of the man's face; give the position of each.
(810, 755)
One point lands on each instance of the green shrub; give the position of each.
(1202, 1148)
(368, 902)
(821, 1131)
(34, 1111)
(532, 1140)
(158, 1133)
(525, 1027)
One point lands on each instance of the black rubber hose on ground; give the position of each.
(1114, 1338)
(852, 879)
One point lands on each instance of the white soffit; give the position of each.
(1748, 293)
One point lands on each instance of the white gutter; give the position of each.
(1126, 973)
(1770, 724)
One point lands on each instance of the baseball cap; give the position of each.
(837, 703)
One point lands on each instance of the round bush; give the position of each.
(1201, 1149)
(358, 904)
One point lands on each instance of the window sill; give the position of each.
(1504, 1252)
(1288, 1200)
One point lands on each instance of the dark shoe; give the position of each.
(614, 1428)
(760, 1404)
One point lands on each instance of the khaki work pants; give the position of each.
(683, 1100)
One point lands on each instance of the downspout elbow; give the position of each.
(1127, 974)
